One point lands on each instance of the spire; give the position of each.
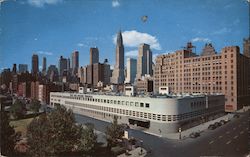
(119, 41)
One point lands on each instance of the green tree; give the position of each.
(114, 132)
(17, 109)
(88, 138)
(35, 105)
(56, 133)
(8, 135)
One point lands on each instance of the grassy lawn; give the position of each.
(21, 125)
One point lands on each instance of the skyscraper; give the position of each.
(68, 66)
(118, 72)
(131, 70)
(44, 66)
(35, 64)
(94, 55)
(22, 68)
(14, 68)
(75, 62)
(246, 47)
(144, 61)
(62, 65)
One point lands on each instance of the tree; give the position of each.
(17, 109)
(35, 105)
(114, 132)
(88, 138)
(8, 135)
(56, 133)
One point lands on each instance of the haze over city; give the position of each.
(58, 27)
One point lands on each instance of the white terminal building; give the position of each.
(155, 114)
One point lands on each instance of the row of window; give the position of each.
(108, 101)
(146, 115)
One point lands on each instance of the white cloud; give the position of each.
(199, 39)
(134, 38)
(80, 44)
(132, 53)
(45, 53)
(41, 3)
(154, 56)
(115, 3)
(248, 1)
(222, 31)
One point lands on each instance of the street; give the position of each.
(230, 140)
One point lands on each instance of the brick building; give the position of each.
(227, 72)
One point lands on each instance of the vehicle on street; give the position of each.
(194, 134)
(222, 122)
(211, 127)
(236, 116)
(217, 124)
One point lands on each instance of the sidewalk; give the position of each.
(138, 152)
(198, 128)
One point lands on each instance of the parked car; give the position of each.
(217, 124)
(211, 127)
(236, 116)
(222, 122)
(194, 134)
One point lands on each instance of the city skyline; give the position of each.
(57, 33)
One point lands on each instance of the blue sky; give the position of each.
(52, 28)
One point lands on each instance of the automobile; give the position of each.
(222, 122)
(217, 124)
(194, 134)
(211, 127)
(236, 116)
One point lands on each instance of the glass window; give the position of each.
(141, 104)
(147, 105)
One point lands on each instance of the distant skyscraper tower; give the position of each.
(62, 65)
(75, 62)
(68, 66)
(118, 72)
(44, 66)
(144, 61)
(22, 68)
(35, 64)
(131, 70)
(14, 68)
(94, 55)
(246, 47)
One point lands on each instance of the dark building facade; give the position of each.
(35, 64)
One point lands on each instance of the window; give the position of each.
(147, 105)
(141, 104)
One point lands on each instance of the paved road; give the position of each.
(230, 140)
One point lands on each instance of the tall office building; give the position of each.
(94, 55)
(22, 68)
(62, 66)
(52, 73)
(14, 69)
(106, 72)
(118, 72)
(75, 62)
(44, 66)
(144, 61)
(246, 47)
(131, 70)
(35, 64)
(68, 67)
(227, 73)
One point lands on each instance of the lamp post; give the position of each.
(180, 133)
